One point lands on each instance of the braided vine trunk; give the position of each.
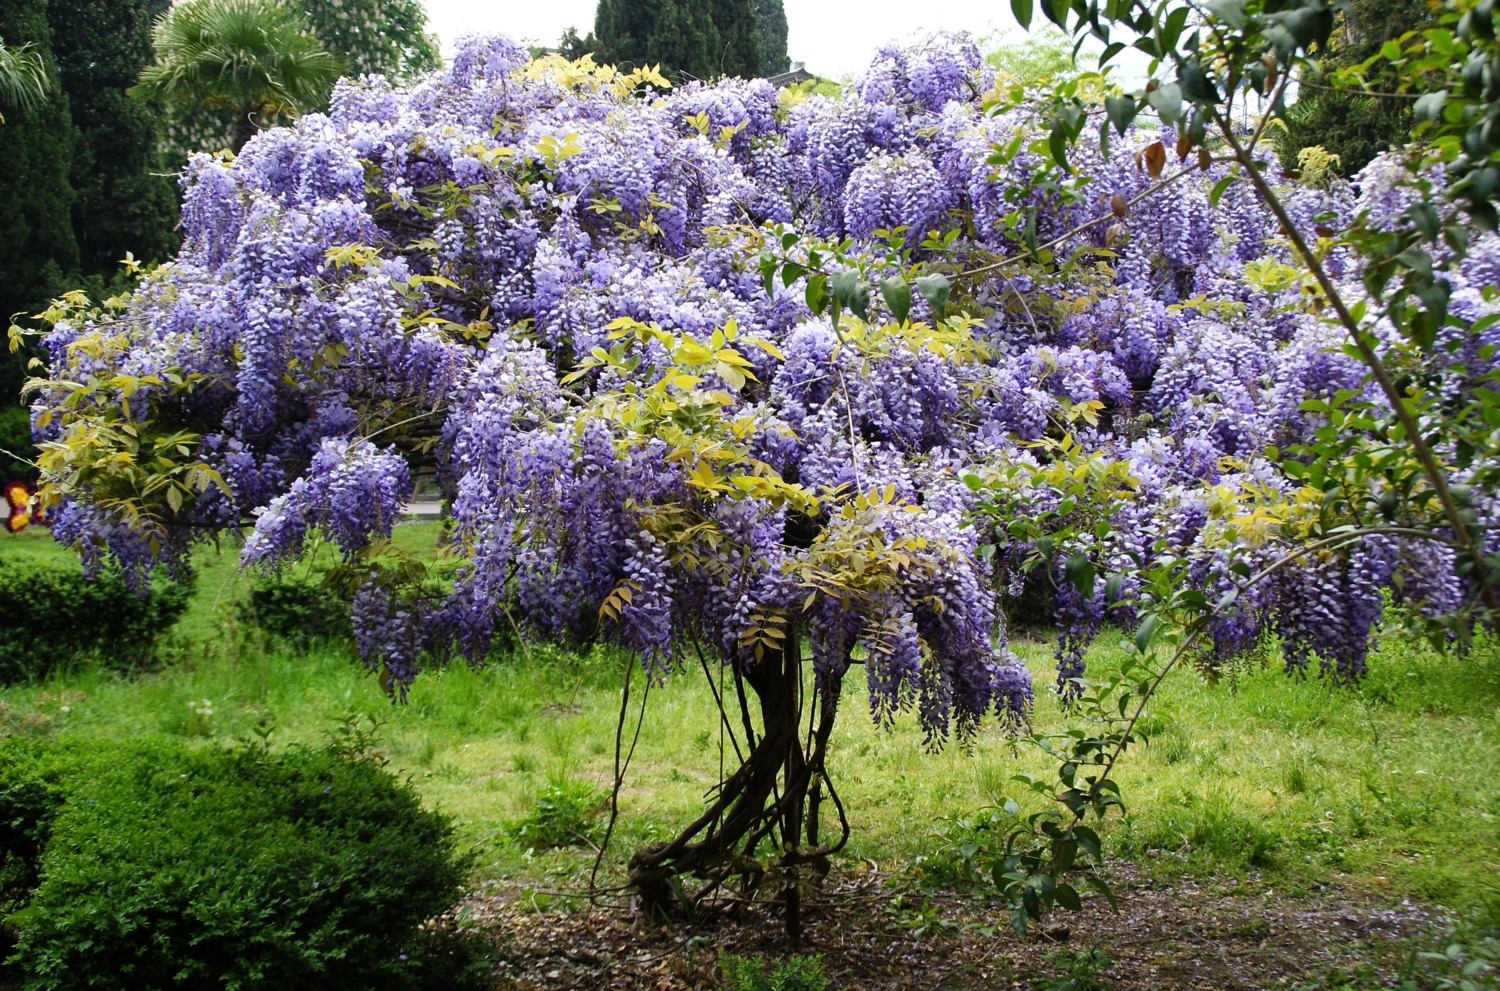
(775, 794)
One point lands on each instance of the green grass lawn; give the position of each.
(1395, 785)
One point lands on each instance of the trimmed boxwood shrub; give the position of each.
(53, 614)
(35, 779)
(234, 869)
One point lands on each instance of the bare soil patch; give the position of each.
(882, 932)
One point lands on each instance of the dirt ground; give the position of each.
(879, 931)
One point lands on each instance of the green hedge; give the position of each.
(35, 779)
(53, 614)
(158, 866)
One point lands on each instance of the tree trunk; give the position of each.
(244, 128)
(774, 794)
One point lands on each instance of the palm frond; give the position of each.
(237, 53)
(24, 82)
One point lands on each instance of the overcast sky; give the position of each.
(834, 37)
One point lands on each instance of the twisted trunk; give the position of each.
(775, 793)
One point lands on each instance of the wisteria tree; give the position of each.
(764, 389)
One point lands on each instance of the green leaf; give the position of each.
(1429, 106)
(1172, 30)
(1097, 883)
(851, 292)
(897, 295)
(817, 293)
(1146, 633)
(1231, 12)
(1121, 111)
(1196, 84)
(1022, 10)
(1309, 25)
(1215, 194)
(1067, 897)
(1080, 571)
(1166, 100)
(935, 289)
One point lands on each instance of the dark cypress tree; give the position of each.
(680, 35)
(1353, 126)
(770, 25)
(124, 202)
(37, 252)
(738, 53)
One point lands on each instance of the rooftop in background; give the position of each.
(797, 74)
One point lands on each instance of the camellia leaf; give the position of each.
(851, 292)
(1231, 12)
(1120, 110)
(897, 295)
(1156, 159)
(1167, 102)
(1197, 86)
(1429, 106)
(935, 289)
(1080, 571)
(1022, 11)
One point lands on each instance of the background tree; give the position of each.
(770, 28)
(690, 39)
(1354, 126)
(738, 53)
(37, 248)
(125, 202)
(254, 58)
(388, 37)
(1046, 55)
(573, 46)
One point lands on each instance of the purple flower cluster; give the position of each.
(423, 267)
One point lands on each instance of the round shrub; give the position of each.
(54, 612)
(242, 869)
(299, 610)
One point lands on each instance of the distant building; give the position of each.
(797, 74)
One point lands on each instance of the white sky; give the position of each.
(834, 37)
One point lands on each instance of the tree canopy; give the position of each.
(387, 37)
(125, 202)
(689, 39)
(1353, 126)
(771, 29)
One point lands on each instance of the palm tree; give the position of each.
(23, 77)
(255, 57)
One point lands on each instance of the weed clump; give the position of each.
(797, 973)
(1077, 970)
(565, 813)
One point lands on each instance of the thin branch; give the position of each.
(1430, 467)
(1343, 537)
(1149, 191)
